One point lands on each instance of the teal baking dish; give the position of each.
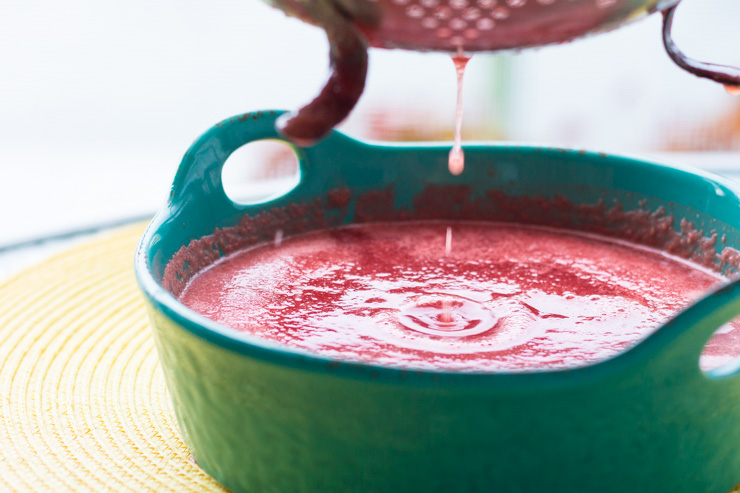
(258, 416)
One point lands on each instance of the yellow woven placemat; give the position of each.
(83, 405)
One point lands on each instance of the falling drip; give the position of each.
(446, 315)
(732, 90)
(456, 160)
(278, 238)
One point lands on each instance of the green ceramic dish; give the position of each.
(260, 417)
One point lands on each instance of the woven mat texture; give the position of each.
(83, 405)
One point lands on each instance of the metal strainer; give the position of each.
(493, 25)
(454, 26)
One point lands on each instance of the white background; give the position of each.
(99, 99)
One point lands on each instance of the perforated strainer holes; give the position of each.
(460, 22)
(260, 171)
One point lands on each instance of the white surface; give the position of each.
(45, 195)
(15, 260)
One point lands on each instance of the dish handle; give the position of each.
(198, 180)
(679, 343)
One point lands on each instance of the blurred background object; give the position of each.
(99, 99)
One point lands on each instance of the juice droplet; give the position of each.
(732, 90)
(456, 160)
(448, 242)
(278, 238)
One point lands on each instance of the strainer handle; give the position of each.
(678, 344)
(729, 76)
